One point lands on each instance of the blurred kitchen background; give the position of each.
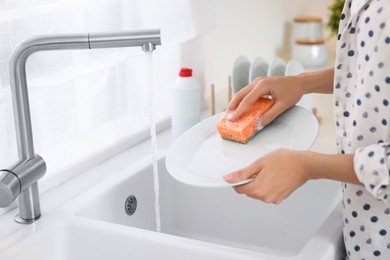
(257, 28)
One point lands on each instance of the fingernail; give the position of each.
(228, 177)
(260, 123)
(230, 117)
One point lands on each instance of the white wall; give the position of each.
(252, 28)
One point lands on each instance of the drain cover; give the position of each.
(130, 205)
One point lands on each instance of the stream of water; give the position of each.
(152, 112)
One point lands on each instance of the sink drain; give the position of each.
(130, 205)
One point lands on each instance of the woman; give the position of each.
(360, 83)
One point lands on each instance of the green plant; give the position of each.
(335, 13)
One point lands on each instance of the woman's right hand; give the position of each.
(285, 91)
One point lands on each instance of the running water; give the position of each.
(152, 110)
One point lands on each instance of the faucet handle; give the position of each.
(10, 187)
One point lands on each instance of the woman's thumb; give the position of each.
(241, 175)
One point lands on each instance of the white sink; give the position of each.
(305, 226)
(81, 240)
(207, 224)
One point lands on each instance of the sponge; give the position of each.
(245, 127)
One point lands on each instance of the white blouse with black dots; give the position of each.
(362, 118)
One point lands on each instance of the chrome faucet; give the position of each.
(20, 179)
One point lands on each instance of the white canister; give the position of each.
(186, 102)
(306, 27)
(311, 53)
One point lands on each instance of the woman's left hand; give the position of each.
(276, 175)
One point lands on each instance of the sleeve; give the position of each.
(372, 156)
(371, 164)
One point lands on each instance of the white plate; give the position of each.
(200, 157)
(259, 68)
(277, 67)
(294, 67)
(240, 73)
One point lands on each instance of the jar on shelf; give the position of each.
(306, 27)
(312, 53)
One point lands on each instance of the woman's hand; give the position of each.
(276, 176)
(286, 91)
(279, 173)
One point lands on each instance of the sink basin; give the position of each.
(67, 241)
(301, 224)
(81, 240)
(209, 224)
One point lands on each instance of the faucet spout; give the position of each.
(21, 179)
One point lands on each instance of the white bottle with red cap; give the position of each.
(186, 102)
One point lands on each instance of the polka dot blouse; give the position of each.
(362, 117)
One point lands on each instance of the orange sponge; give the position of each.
(245, 127)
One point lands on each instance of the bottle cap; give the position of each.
(185, 72)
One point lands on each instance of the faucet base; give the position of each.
(29, 206)
(20, 220)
